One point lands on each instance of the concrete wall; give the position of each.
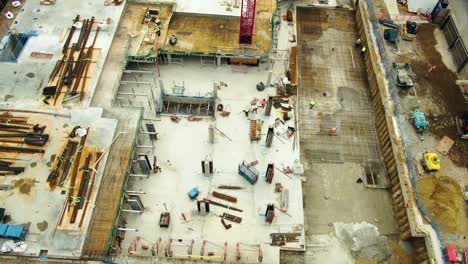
(459, 10)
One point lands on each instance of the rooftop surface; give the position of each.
(32, 203)
(25, 79)
(196, 32)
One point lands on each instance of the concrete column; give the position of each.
(268, 82)
(218, 61)
(169, 58)
(211, 134)
(268, 106)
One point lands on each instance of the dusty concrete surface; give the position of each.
(331, 193)
(330, 61)
(32, 203)
(50, 22)
(181, 171)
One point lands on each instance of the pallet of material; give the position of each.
(83, 82)
(70, 221)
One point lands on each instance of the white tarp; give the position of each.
(421, 6)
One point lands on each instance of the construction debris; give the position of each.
(222, 205)
(71, 70)
(228, 187)
(231, 218)
(224, 197)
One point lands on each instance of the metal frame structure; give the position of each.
(247, 21)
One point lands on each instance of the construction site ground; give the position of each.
(437, 95)
(332, 74)
(181, 171)
(32, 203)
(25, 79)
(195, 32)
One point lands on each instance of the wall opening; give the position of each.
(12, 46)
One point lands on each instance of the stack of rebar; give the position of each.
(70, 71)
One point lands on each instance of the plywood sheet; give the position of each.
(444, 146)
(83, 81)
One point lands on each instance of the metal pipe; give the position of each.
(105, 151)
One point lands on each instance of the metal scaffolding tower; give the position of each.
(247, 21)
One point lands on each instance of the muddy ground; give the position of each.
(443, 199)
(440, 89)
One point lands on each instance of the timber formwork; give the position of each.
(404, 201)
(106, 209)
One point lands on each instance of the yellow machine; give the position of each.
(409, 31)
(430, 162)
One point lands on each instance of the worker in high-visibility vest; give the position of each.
(358, 42)
(157, 30)
(311, 104)
(363, 50)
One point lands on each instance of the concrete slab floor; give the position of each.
(32, 203)
(25, 79)
(181, 170)
(329, 64)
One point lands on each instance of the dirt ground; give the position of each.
(443, 198)
(440, 88)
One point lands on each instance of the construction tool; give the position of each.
(35, 139)
(418, 120)
(430, 162)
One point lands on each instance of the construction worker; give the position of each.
(431, 69)
(363, 50)
(173, 40)
(157, 30)
(358, 42)
(158, 22)
(263, 103)
(45, 99)
(311, 104)
(247, 110)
